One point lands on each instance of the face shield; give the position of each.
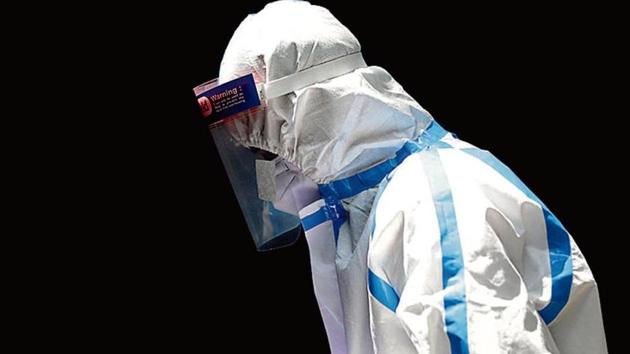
(260, 179)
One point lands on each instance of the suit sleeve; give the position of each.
(461, 262)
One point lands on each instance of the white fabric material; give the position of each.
(292, 190)
(325, 284)
(340, 275)
(347, 124)
(351, 263)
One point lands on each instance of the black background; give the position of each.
(525, 83)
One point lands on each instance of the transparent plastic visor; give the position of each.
(251, 171)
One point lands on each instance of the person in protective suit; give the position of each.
(419, 242)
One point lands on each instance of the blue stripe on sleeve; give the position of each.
(455, 316)
(382, 291)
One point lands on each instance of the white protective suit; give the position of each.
(419, 242)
